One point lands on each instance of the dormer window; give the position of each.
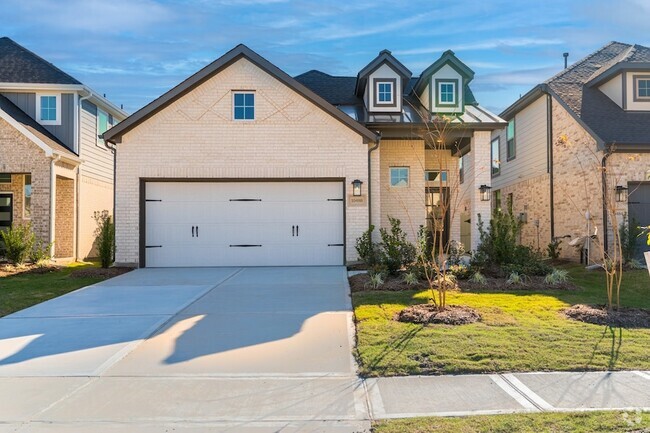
(385, 92)
(447, 93)
(641, 88)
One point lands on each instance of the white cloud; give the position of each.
(484, 45)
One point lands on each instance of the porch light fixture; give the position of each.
(621, 193)
(356, 188)
(485, 192)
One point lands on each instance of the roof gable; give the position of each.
(447, 58)
(240, 51)
(384, 57)
(19, 65)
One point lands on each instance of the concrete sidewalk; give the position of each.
(405, 397)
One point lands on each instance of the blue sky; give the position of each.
(135, 50)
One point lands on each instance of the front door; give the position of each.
(639, 213)
(437, 201)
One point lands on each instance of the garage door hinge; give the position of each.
(334, 199)
(245, 246)
(150, 199)
(153, 246)
(335, 245)
(245, 199)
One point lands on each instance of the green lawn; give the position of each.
(520, 331)
(583, 422)
(24, 290)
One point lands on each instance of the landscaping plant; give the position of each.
(629, 231)
(557, 276)
(366, 248)
(18, 242)
(105, 238)
(40, 253)
(553, 249)
(395, 250)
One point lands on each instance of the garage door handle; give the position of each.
(192, 231)
(297, 230)
(293, 230)
(197, 231)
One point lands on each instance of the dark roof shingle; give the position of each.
(19, 65)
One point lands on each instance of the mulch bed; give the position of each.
(7, 270)
(427, 313)
(599, 315)
(359, 283)
(99, 272)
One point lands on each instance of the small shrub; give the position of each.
(411, 278)
(553, 249)
(448, 280)
(516, 278)
(366, 248)
(376, 280)
(629, 231)
(460, 271)
(396, 251)
(18, 242)
(635, 264)
(40, 253)
(105, 237)
(478, 278)
(456, 252)
(557, 276)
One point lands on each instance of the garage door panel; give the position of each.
(244, 223)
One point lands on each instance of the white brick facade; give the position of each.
(196, 137)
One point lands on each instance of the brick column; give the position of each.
(480, 175)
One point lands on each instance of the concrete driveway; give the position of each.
(225, 349)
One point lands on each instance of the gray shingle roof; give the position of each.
(19, 65)
(33, 126)
(604, 117)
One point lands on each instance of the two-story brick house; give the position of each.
(579, 135)
(242, 164)
(55, 169)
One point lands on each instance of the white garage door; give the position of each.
(244, 224)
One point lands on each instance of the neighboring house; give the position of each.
(594, 113)
(55, 170)
(241, 164)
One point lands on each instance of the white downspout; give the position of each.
(78, 205)
(53, 200)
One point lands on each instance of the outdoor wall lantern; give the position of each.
(485, 192)
(621, 193)
(356, 188)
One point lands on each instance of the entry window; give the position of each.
(399, 177)
(5, 177)
(385, 92)
(496, 202)
(27, 202)
(435, 176)
(244, 106)
(48, 109)
(496, 157)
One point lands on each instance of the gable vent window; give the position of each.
(244, 106)
(48, 109)
(642, 88)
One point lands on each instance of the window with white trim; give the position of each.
(399, 177)
(642, 85)
(385, 92)
(48, 109)
(446, 92)
(243, 105)
(27, 201)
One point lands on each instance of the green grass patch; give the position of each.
(24, 290)
(520, 331)
(579, 422)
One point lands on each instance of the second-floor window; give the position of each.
(102, 125)
(510, 137)
(244, 106)
(48, 109)
(642, 86)
(495, 157)
(385, 92)
(446, 92)
(461, 169)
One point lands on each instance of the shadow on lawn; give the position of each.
(616, 334)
